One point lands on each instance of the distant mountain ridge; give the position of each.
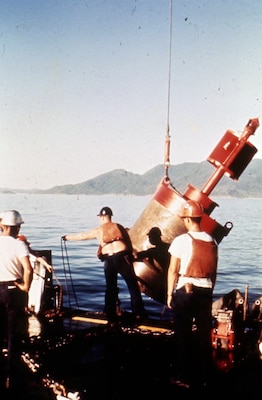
(120, 181)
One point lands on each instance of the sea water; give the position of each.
(48, 217)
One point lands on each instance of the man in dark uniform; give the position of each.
(158, 258)
(115, 249)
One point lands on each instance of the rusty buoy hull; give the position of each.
(162, 212)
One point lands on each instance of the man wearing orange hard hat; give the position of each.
(191, 280)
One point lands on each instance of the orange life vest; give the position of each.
(110, 233)
(203, 262)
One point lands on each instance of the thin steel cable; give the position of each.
(66, 263)
(169, 66)
(167, 138)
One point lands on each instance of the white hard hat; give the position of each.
(11, 218)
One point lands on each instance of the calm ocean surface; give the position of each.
(48, 217)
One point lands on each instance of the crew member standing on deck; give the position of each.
(192, 274)
(115, 249)
(15, 279)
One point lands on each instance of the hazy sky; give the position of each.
(84, 84)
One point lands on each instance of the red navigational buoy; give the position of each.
(231, 156)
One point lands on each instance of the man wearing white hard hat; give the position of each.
(15, 279)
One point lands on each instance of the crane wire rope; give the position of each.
(167, 138)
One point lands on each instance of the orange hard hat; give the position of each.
(192, 209)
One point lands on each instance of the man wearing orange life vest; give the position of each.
(115, 249)
(192, 274)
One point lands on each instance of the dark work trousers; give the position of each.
(193, 340)
(121, 263)
(13, 322)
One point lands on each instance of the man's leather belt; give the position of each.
(123, 252)
(8, 284)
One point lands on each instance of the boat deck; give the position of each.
(79, 353)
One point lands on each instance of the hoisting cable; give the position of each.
(67, 264)
(60, 297)
(167, 138)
